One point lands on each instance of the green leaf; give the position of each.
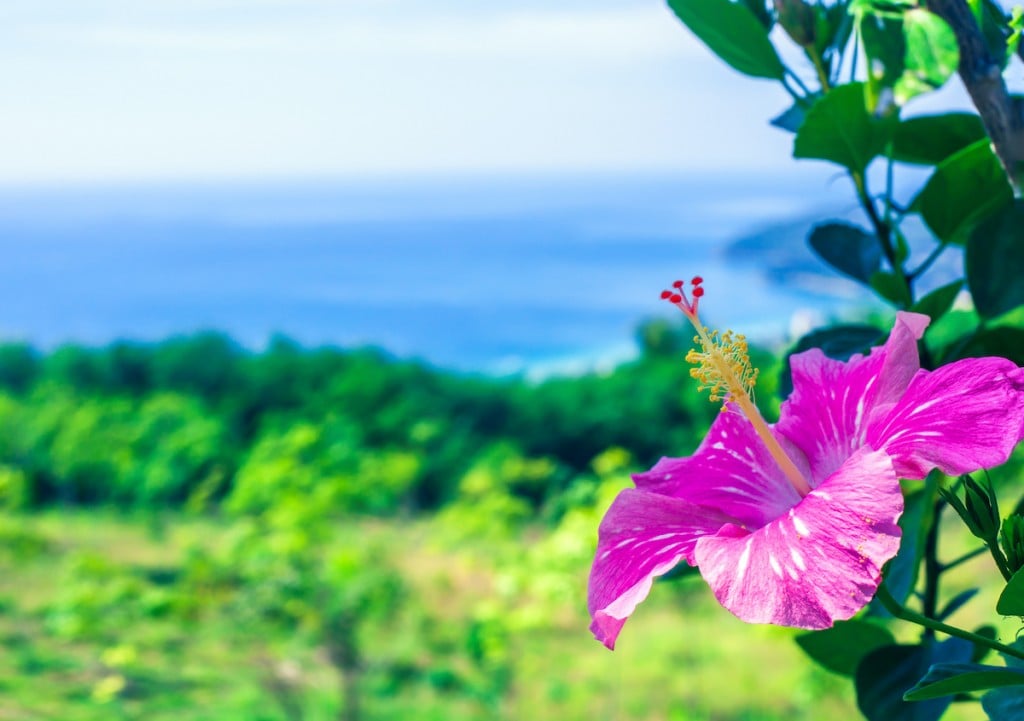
(980, 649)
(930, 139)
(840, 129)
(793, 117)
(840, 648)
(834, 28)
(1011, 600)
(956, 603)
(885, 47)
(964, 189)
(891, 287)
(1002, 341)
(937, 303)
(1016, 25)
(760, 11)
(680, 572)
(847, 248)
(886, 673)
(946, 679)
(839, 342)
(901, 572)
(734, 33)
(995, 262)
(1006, 704)
(932, 55)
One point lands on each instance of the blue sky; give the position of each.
(169, 89)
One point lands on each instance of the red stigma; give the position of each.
(677, 297)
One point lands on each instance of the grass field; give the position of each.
(127, 645)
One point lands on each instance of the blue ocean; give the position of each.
(497, 275)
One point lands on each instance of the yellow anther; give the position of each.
(722, 365)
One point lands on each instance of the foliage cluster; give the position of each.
(195, 421)
(859, 65)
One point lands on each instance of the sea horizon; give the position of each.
(510, 274)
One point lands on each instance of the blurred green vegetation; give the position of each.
(193, 531)
(195, 422)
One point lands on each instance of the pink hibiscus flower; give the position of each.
(791, 524)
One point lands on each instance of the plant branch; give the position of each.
(982, 76)
(970, 555)
(882, 229)
(932, 568)
(927, 263)
(819, 68)
(899, 611)
(800, 83)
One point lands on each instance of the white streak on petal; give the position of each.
(798, 559)
(925, 406)
(741, 567)
(624, 605)
(662, 537)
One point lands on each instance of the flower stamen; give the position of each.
(722, 366)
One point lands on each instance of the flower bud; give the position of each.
(983, 506)
(1011, 538)
(979, 509)
(798, 19)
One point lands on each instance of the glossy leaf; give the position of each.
(793, 117)
(932, 55)
(760, 11)
(885, 47)
(1016, 26)
(891, 287)
(840, 129)
(839, 342)
(847, 248)
(956, 603)
(946, 679)
(886, 673)
(834, 27)
(937, 303)
(841, 648)
(964, 189)
(980, 649)
(734, 33)
(901, 572)
(1011, 600)
(1006, 704)
(1003, 341)
(995, 262)
(930, 139)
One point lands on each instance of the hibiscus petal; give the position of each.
(960, 418)
(731, 471)
(821, 561)
(834, 402)
(642, 536)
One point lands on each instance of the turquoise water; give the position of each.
(497, 275)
